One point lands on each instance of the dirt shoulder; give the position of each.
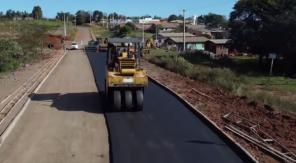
(215, 103)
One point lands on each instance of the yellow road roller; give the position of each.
(125, 79)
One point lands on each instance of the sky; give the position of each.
(161, 8)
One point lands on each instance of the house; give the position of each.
(177, 21)
(202, 30)
(199, 30)
(162, 37)
(219, 34)
(169, 27)
(218, 46)
(192, 43)
(149, 21)
(139, 27)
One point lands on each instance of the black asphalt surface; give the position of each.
(164, 132)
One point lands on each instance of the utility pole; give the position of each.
(65, 28)
(156, 35)
(67, 21)
(113, 19)
(89, 17)
(107, 22)
(143, 35)
(75, 21)
(184, 30)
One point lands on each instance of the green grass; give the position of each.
(100, 31)
(139, 34)
(231, 74)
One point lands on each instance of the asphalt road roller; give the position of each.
(125, 78)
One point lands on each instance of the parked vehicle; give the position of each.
(74, 46)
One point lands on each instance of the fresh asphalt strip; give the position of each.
(165, 131)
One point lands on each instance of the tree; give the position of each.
(201, 19)
(97, 16)
(156, 17)
(131, 25)
(124, 31)
(69, 16)
(172, 18)
(37, 12)
(266, 26)
(9, 14)
(213, 20)
(113, 15)
(82, 17)
(155, 27)
(180, 17)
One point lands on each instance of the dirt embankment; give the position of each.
(216, 102)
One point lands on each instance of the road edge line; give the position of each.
(25, 106)
(206, 119)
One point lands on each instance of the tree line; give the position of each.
(10, 14)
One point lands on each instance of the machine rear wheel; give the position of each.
(139, 100)
(128, 100)
(117, 100)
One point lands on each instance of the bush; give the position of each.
(132, 26)
(10, 54)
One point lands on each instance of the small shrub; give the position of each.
(10, 53)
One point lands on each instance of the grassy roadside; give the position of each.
(22, 42)
(100, 31)
(272, 91)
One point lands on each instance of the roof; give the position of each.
(199, 26)
(140, 26)
(220, 41)
(189, 39)
(176, 34)
(218, 30)
(124, 40)
(170, 25)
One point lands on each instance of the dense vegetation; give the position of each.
(213, 20)
(22, 41)
(175, 17)
(266, 26)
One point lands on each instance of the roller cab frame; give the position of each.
(103, 44)
(125, 79)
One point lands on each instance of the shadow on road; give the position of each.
(88, 102)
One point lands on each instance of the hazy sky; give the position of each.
(127, 7)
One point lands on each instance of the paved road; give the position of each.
(64, 122)
(166, 131)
